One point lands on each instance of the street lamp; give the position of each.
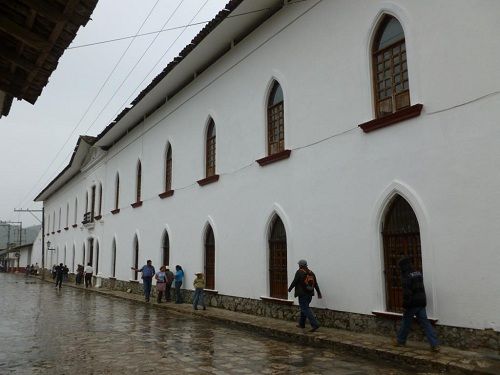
(49, 248)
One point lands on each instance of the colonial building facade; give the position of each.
(348, 133)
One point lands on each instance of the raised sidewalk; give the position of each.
(366, 345)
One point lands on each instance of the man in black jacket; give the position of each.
(305, 292)
(414, 303)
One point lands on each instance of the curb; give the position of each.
(449, 360)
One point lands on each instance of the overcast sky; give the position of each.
(37, 140)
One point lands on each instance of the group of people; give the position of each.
(414, 301)
(84, 274)
(31, 270)
(164, 280)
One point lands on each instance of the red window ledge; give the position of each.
(208, 180)
(53, 232)
(397, 316)
(59, 231)
(136, 204)
(166, 194)
(66, 228)
(74, 225)
(48, 234)
(98, 217)
(282, 155)
(401, 115)
(277, 300)
(115, 211)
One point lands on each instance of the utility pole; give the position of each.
(43, 232)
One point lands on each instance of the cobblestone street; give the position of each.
(47, 331)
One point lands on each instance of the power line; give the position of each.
(163, 30)
(138, 61)
(90, 105)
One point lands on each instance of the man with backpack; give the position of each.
(305, 283)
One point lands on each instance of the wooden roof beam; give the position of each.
(23, 34)
(12, 57)
(46, 9)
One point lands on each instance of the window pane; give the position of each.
(391, 33)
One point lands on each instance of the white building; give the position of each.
(268, 141)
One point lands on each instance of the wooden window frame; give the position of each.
(273, 111)
(277, 289)
(211, 150)
(209, 258)
(138, 185)
(117, 193)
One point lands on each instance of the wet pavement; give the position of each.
(48, 331)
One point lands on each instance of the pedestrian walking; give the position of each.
(179, 275)
(54, 271)
(79, 274)
(148, 271)
(59, 275)
(414, 303)
(27, 270)
(89, 270)
(35, 271)
(161, 282)
(199, 286)
(168, 287)
(305, 283)
(65, 273)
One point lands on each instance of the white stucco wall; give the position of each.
(331, 193)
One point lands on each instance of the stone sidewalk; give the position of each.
(368, 346)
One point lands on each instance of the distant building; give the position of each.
(15, 256)
(348, 133)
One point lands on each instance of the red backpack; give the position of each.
(309, 280)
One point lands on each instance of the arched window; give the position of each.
(401, 237)
(59, 223)
(275, 120)
(165, 249)
(99, 213)
(64, 258)
(138, 183)
(76, 212)
(113, 258)
(168, 168)
(53, 222)
(92, 203)
(278, 281)
(47, 229)
(67, 215)
(135, 257)
(210, 150)
(209, 258)
(390, 70)
(117, 192)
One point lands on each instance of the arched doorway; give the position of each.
(91, 252)
(401, 237)
(96, 256)
(136, 257)
(165, 246)
(278, 280)
(113, 259)
(210, 258)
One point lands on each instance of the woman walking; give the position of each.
(179, 275)
(161, 282)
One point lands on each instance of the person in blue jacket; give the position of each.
(148, 272)
(179, 275)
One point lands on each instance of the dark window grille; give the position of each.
(117, 192)
(96, 257)
(139, 182)
(100, 199)
(92, 203)
(390, 68)
(91, 252)
(278, 280)
(401, 237)
(210, 150)
(168, 169)
(275, 121)
(210, 259)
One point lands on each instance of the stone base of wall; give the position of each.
(463, 338)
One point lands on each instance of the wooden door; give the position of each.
(401, 237)
(210, 259)
(278, 280)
